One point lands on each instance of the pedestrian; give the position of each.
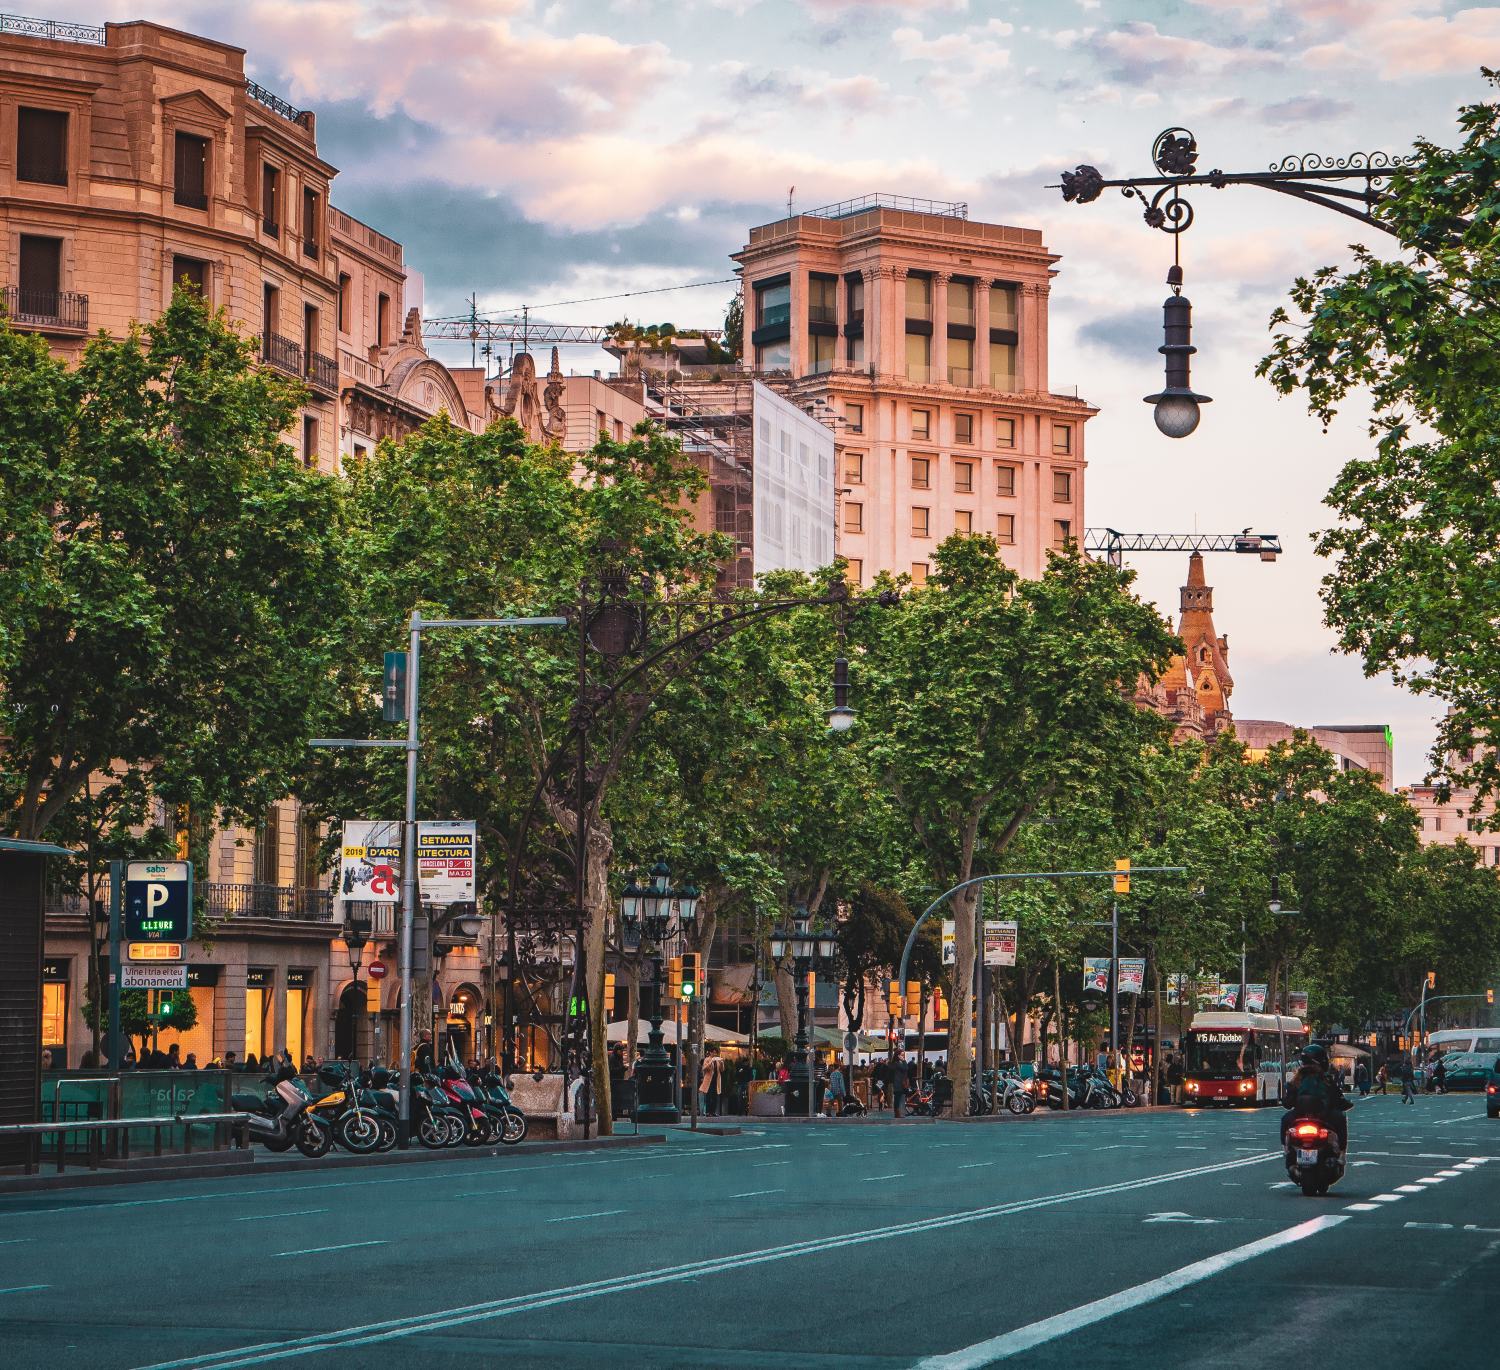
(710, 1085)
(1362, 1080)
(190, 1062)
(46, 1058)
(90, 1060)
(879, 1078)
(1101, 1060)
(309, 1065)
(1408, 1080)
(229, 1061)
(1382, 1078)
(1175, 1077)
(837, 1092)
(421, 1056)
(900, 1084)
(174, 1057)
(251, 1064)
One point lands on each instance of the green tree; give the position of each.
(989, 696)
(734, 328)
(1413, 587)
(186, 590)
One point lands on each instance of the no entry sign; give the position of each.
(377, 970)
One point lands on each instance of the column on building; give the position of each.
(981, 333)
(1033, 335)
(893, 321)
(938, 360)
(797, 291)
(875, 293)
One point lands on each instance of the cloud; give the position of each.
(965, 56)
(1304, 109)
(1407, 45)
(1138, 51)
(814, 89)
(1127, 336)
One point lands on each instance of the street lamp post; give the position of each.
(808, 947)
(649, 915)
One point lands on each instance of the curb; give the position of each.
(88, 1179)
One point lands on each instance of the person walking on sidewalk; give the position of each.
(899, 1084)
(879, 1078)
(1408, 1080)
(711, 1085)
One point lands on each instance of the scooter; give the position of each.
(1014, 1094)
(491, 1087)
(361, 1124)
(280, 1119)
(1314, 1158)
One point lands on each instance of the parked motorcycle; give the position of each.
(280, 1119)
(492, 1087)
(1314, 1158)
(1015, 1093)
(361, 1122)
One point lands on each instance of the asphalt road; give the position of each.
(1167, 1239)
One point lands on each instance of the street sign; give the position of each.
(377, 970)
(153, 977)
(154, 951)
(851, 1042)
(158, 901)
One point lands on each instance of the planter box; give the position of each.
(763, 1105)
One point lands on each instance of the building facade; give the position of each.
(1193, 693)
(923, 335)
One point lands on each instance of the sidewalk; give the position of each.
(205, 1165)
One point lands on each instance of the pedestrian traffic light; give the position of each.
(1432, 979)
(913, 998)
(1122, 875)
(894, 1000)
(687, 988)
(164, 1006)
(674, 978)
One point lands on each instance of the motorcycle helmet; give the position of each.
(1315, 1056)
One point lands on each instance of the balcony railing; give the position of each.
(276, 104)
(267, 901)
(310, 248)
(54, 29)
(960, 375)
(322, 373)
(48, 309)
(282, 353)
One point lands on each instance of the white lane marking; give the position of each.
(421, 1323)
(16, 1241)
(1020, 1339)
(766, 1165)
(266, 1217)
(894, 1175)
(470, 1193)
(756, 1193)
(975, 1165)
(1430, 1227)
(1283, 1184)
(1432, 1179)
(1466, 1165)
(1360, 1208)
(1387, 1198)
(1466, 1118)
(579, 1217)
(1408, 1189)
(24, 1288)
(342, 1246)
(1450, 1174)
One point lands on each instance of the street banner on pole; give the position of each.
(1177, 987)
(1096, 974)
(950, 942)
(1206, 989)
(446, 854)
(1296, 1003)
(999, 942)
(1229, 996)
(1132, 974)
(1255, 998)
(370, 861)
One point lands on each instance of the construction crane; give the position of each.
(1112, 544)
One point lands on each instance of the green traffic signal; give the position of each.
(165, 1009)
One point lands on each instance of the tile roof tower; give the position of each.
(1207, 653)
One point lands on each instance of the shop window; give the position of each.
(55, 1021)
(296, 1021)
(257, 1017)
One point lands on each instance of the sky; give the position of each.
(535, 153)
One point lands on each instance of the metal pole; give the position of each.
(409, 873)
(978, 993)
(1114, 980)
(810, 981)
(116, 907)
(1243, 1007)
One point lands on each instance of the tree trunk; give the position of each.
(597, 907)
(1062, 1039)
(1156, 1054)
(786, 1001)
(633, 1010)
(961, 1006)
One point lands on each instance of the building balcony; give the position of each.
(267, 901)
(322, 373)
(282, 353)
(49, 311)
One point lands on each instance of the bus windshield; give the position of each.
(1220, 1055)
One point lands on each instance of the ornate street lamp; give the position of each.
(841, 716)
(808, 946)
(649, 915)
(357, 926)
(1177, 404)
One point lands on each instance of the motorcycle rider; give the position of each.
(1313, 1092)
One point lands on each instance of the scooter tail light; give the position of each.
(1311, 1130)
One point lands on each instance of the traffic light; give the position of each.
(688, 987)
(939, 1008)
(674, 978)
(1489, 996)
(609, 992)
(1122, 875)
(1432, 979)
(894, 1000)
(164, 1007)
(913, 998)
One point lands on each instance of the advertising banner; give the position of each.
(1096, 974)
(370, 861)
(1229, 996)
(999, 942)
(950, 942)
(1179, 987)
(446, 854)
(1132, 974)
(1296, 1003)
(1208, 989)
(1255, 998)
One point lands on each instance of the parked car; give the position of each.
(1492, 1091)
(1466, 1070)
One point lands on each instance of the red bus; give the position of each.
(1240, 1058)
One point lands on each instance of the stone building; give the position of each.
(1194, 690)
(923, 334)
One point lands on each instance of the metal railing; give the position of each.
(276, 104)
(222, 900)
(284, 354)
(949, 209)
(224, 1125)
(55, 29)
(322, 372)
(46, 308)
